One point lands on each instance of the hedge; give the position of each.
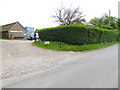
(107, 27)
(78, 34)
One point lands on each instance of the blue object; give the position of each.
(30, 32)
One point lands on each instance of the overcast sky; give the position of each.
(37, 13)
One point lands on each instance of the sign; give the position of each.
(15, 31)
(46, 42)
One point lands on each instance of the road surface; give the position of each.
(19, 57)
(96, 69)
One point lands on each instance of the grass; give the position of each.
(5, 38)
(66, 47)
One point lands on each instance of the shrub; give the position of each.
(78, 34)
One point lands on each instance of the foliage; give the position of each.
(105, 20)
(112, 21)
(67, 47)
(96, 21)
(67, 16)
(77, 34)
(118, 30)
(107, 27)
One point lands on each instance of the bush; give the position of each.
(78, 34)
(107, 27)
(118, 38)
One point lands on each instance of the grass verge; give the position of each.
(66, 47)
(5, 39)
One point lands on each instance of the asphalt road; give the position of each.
(95, 69)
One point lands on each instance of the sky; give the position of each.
(37, 13)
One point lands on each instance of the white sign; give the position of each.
(46, 42)
(15, 31)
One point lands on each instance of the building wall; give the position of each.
(4, 34)
(0, 31)
(18, 32)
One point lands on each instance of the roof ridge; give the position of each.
(6, 27)
(9, 23)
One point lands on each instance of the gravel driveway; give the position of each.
(20, 57)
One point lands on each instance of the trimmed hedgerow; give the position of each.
(107, 27)
(77, 34)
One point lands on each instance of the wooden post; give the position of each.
(60, 44)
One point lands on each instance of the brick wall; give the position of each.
(14, 34)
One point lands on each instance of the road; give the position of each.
(19, 57)
(95, 69)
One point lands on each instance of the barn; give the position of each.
(13, 31)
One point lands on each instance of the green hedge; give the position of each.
(107, 27)
(77, 34)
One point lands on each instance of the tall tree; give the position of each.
(110, 20)
(96, 21)
(67, 16)
(105, 20)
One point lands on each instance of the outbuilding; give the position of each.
(13, 31)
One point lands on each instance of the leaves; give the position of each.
(105, 20)
(78, 34)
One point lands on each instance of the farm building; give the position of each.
(13, 31)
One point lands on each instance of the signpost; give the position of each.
(46, 43)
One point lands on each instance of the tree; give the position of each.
(96, 21)
(119, 23)
(105, 20)
(118, 29)
(110, 21)
(67, 16)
